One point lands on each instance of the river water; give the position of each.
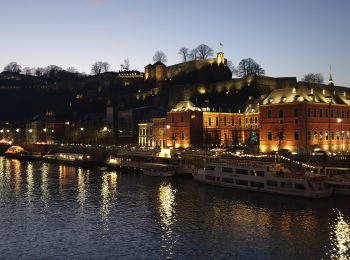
(49, 211)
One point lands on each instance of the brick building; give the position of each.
(187, 125)
(306, 118)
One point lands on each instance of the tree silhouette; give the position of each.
(160, 56)
(13, 67)
(204, 51)
(99, 67)
(184, 53)
(313, 78)
(248, 67)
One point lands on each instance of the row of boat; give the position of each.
(276, 178)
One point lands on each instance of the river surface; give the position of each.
(49, 211)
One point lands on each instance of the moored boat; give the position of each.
(338, 178)
(158, 170)
(269, 178)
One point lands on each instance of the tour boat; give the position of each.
(270, 178)
(74, 159)
(338, 178)
(158, 169)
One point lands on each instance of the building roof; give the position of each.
(185, 106)
(314, 93)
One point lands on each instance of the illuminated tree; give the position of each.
(313, 78)
(248, 67)
(160, 56)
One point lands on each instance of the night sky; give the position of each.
(288, 38)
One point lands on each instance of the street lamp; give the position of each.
(339, 120)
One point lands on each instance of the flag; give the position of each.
(221, 44)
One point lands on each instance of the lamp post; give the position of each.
(339, 120)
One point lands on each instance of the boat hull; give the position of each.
(314, 194)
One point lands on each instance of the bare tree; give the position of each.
(27, 71)
(126, 65)
(52, 70)
(160, 56)
(72, 70)
(194, 55)
(204, 51)
(184, 53)
(313, 78)
(13, 67)
(248, 67)
(99, 67)
(105, 66)
(38, 71)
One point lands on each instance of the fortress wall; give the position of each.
(187, 67)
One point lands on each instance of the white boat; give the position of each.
(158, 169)
(338, 178)
(269, 178)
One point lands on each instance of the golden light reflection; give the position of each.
(64, 172)
(17, 168)
(340, 238)
(108, 193)
(166, 199)
(2, 170)
(45, 183)
(83, 177)
(30, 183)
(167, 215)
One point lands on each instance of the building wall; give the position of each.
(301, 127)
(158, 131)
(202, 129)
(146, 135)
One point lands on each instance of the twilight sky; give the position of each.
(288, 38)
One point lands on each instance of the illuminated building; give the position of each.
(189, 126)
(305, 118)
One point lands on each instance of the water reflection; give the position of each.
(30, 183)
(340, 238)
(108, 194)
(83, 178)
(167, 215)
(64, 175)
(45, 183)
(17, 168)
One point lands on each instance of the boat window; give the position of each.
(210, 168)
(287, 185)
(260, 173)
(242, 182)
(257, 184)
(242, 171)
(272, 183)
(225, 169)
(210, 178)
(228, 180)
(299, 186)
